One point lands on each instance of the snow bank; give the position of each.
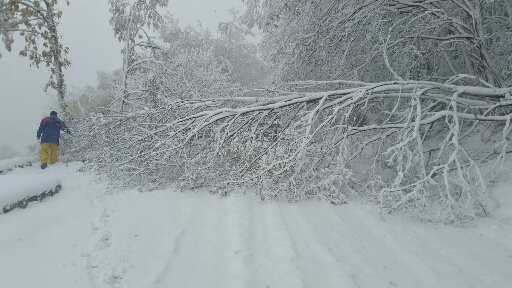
(9, 164)
(18, 190)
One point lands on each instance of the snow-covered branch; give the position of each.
(409, 145)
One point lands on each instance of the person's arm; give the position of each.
(65, 128)
(40, 130)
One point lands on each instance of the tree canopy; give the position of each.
(36, 22)
(379, 40)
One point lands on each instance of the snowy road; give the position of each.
(89, 237)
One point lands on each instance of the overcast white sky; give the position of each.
(86, 31)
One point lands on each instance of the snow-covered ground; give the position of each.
(7, 165)
(89, 235)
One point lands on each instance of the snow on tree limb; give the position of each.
(420, 143)
(408, 144)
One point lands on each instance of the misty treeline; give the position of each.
(404, 103)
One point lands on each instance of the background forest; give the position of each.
(404, 103)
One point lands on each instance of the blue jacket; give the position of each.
(50, 130)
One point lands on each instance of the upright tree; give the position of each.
(36, 21)
(129, 21)
(377, 40)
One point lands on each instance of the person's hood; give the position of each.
(54, 117)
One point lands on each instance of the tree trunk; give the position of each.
(508, 5)
(126, 59)
(449, 60)
(489, 67)
(57, 59)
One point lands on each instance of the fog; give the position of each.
(86, 31)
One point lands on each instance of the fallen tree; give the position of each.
(414, 145)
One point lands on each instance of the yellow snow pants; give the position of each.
(48, 148)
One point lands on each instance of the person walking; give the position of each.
(49, 133)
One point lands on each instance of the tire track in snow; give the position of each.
(230, 242)
(177, 243)
(152, 229)
(390, 266)
(319, 264)
(199, 257)
(339, 248)
(270, 253)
